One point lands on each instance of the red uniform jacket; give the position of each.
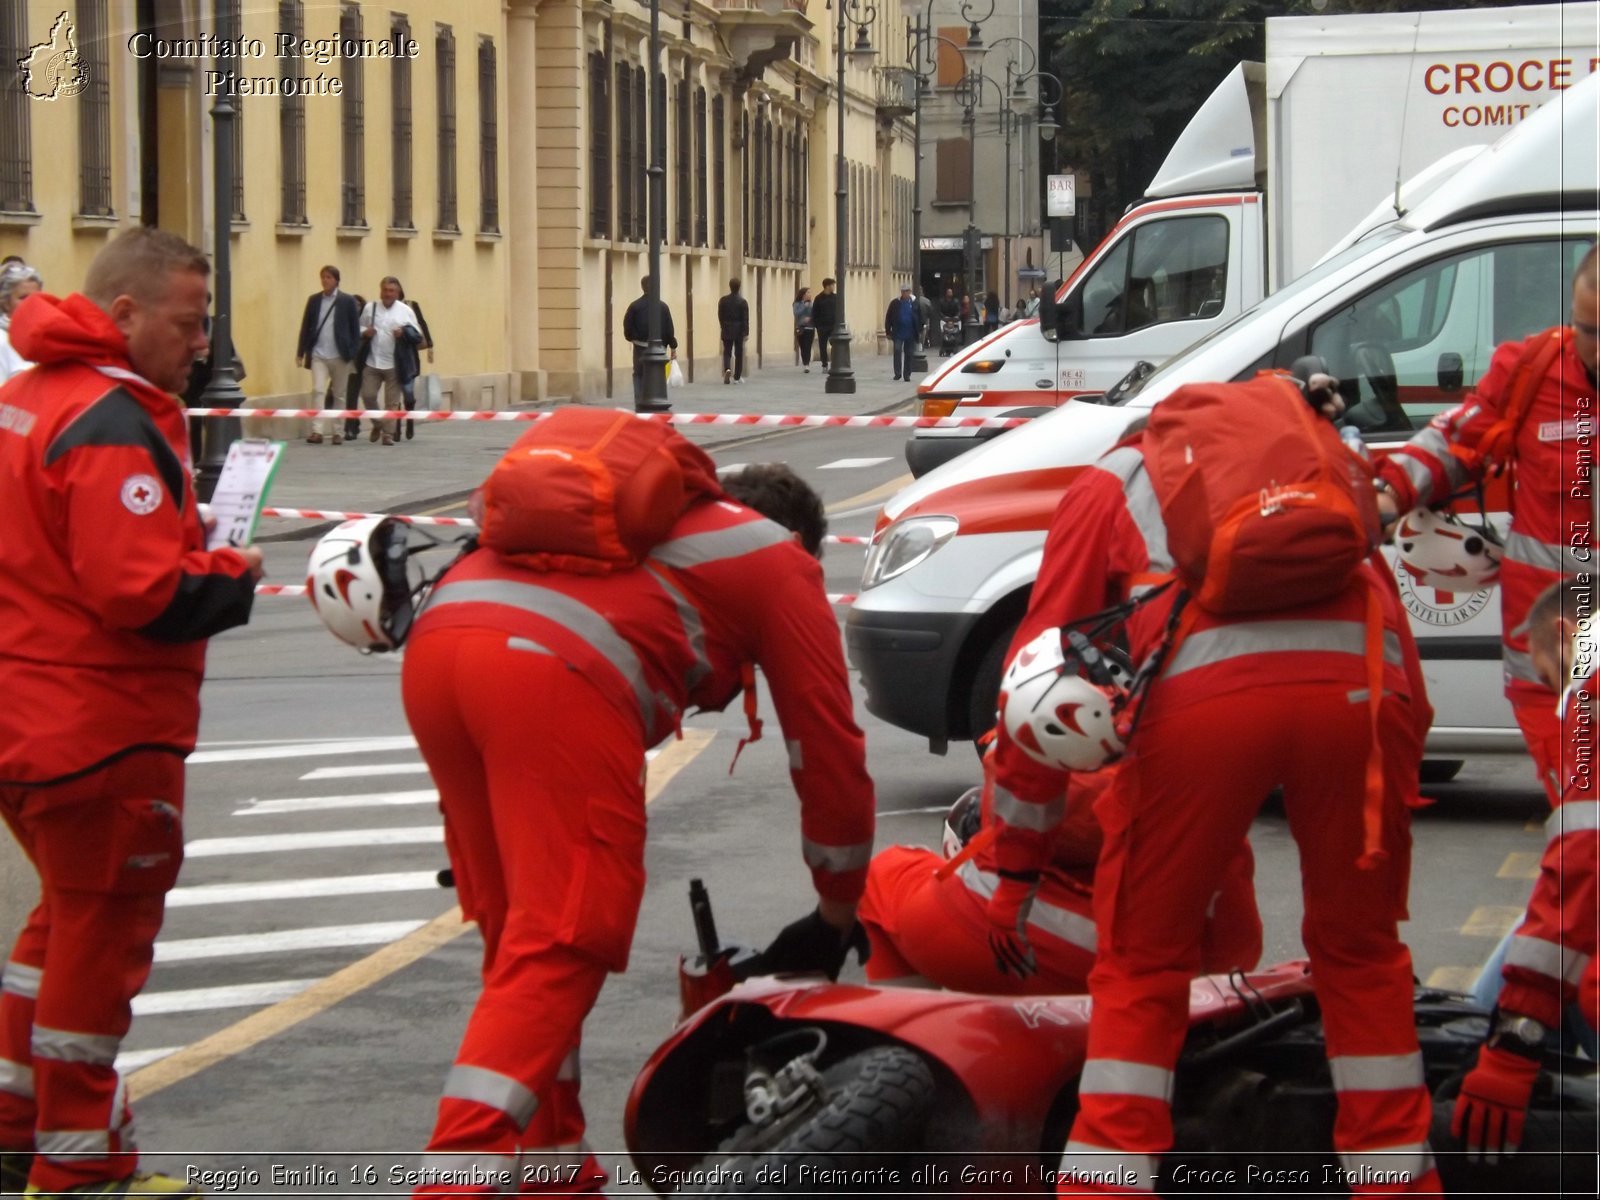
(1552, 453)
(727, 588)
(106, 591)
(1106, 538)
(1552, 948)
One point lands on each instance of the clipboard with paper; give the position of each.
(241, 491)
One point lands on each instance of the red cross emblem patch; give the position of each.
(141, 494)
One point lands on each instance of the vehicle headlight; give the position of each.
(905, 544)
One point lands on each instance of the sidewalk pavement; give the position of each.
(447, 459)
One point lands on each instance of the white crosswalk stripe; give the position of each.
(848, 464)
(236, 995)
(283, 940)
(329, 840)
(297, 889)
(365, 771)
(263, 808)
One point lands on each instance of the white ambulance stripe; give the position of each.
(267, 808)
(1575, 816)
(492, 1090)
(21, 980)
(405, 835)
(848, 464)
(302, 750)
(15, 1078)
(363, 772)
(133, 1060)
(1376, 1072)
(237, 995)
(296, 889)
(1112, 1168)
(1115, 1077)
(325, 937)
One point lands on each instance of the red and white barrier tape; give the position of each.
(299, 589)
(323, 514)
(752, 420)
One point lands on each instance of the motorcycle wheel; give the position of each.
(876, 1101)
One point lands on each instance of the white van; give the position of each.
(1407, 317)
(1278, 163)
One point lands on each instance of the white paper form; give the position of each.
(242, 491)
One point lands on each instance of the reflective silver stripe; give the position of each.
(1394, 1164)
(1023, 814)
(528, 644)
(64, 1046)
(492, 1089)
(577, 618)
(697, 549)
(797, 758)
(694, 630)
(21, 980)
(1547, 556)
(1575, 816)
(1225, 642)
(482, 1170)
(1118, 1168)
(1434, 442)
(15, 1078)
(1417, 473)
(1547, 958)
(1519, 666)
(1143, 507)
(1073, 928)
(1117, 1077)
(1376, 1072)
(836, 858)
(570, 1070)
(66, 1145)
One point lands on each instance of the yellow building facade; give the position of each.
(489, 154)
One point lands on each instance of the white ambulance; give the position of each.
(1408, 317)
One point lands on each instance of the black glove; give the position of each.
(811, 944)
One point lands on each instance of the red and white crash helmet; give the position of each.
(1054, 713)
(356, 580)
(1439, 550)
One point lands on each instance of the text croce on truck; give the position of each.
(1282, 164)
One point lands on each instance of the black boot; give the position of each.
(410, 429)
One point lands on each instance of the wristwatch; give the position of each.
(1522, 1036)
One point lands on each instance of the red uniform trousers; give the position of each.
(1177, 811)
(926, 929)
(107, 848)
(1535, 710)
(541, 779)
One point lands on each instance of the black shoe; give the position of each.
(410, 429)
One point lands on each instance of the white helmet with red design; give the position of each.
(1060, 703)
(1438, 550)
(357, 582)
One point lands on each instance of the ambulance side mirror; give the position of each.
(1060, 322)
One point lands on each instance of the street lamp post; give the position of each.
(653, 390)
(919, 357)
(222, 391)
(841, 379)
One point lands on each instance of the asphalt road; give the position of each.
(314, 839)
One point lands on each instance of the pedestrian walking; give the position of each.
(411, 351)
(925, 311)
(330, 336)
(902, 323)
(382, 323)
(351, 399)
(825, 317)
(18, 281)
(733, 315)
(636, 329)
(109, 595)
(991, 312)
(547, 833)
(804, 331)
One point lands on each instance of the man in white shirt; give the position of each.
(381, 323)
(330, 336)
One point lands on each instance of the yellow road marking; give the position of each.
(1452, 979)
(341, 985)
(882, 492)
(1492, 920)
(1536, 825)
(1520, 864)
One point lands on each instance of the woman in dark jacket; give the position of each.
(991, 312)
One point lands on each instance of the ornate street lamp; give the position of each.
(653, 389)
(841, 380)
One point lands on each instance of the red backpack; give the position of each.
(591, 490)
(1264, 506)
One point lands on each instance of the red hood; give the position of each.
(47, 330)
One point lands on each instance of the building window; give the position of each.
(805, 198)
(951, 66)
(489, 135)
(16, 133)
(642, 132)
(400, 127)
(682, 201)
(796, 182)
(352, 128)
(599, 149)
(94, 111)
(719, 172)
(624, 152)
(292, 120)
(444, 51)
(952, 171)
(744, 178)
(700, 223)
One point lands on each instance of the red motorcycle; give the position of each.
(796, 1085)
